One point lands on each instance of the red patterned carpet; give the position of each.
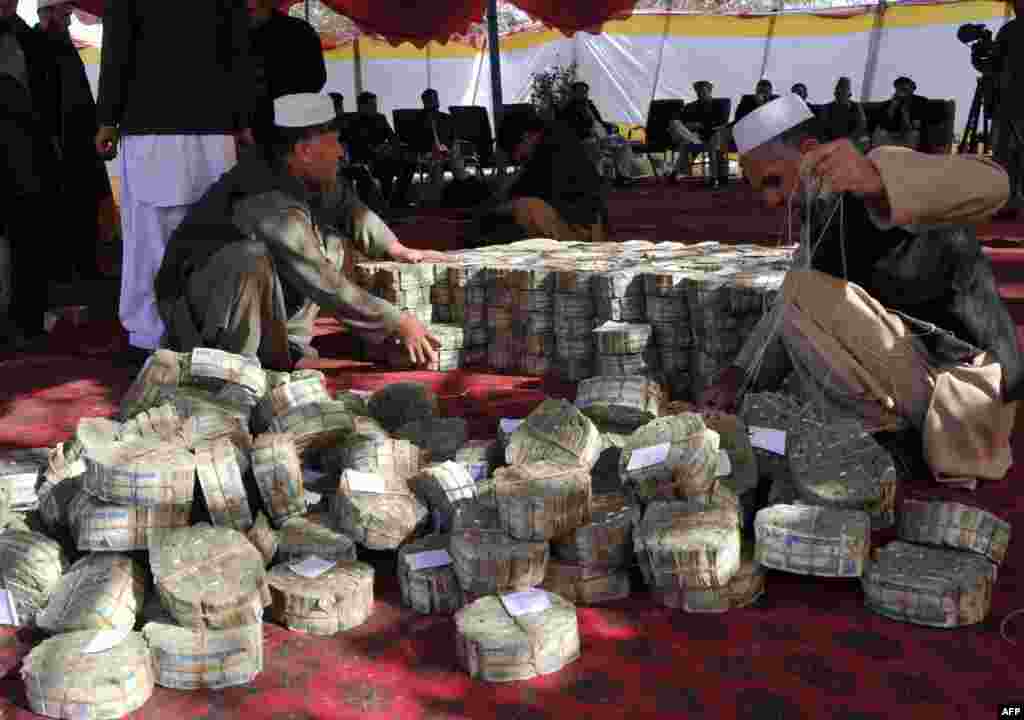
(807, 650)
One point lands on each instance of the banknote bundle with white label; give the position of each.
(622, 348)
(20, 474)
(426, 576)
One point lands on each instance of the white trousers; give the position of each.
(162, 176)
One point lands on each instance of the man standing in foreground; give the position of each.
(250, 267)
(893, 316)
(177, 115)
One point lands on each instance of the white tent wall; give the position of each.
(622, 64)
(818, 62)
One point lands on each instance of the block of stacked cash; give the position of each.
(619, 295)
(479, 457)
(955, 525)
(321, 597)
(583, 585)
(102, 591)
(157, 382)
(516, 636)
(20, 474)
(312, 535)
(185, 658)
(519, 318)
(555, 432)
(776, 417)
(278, 473)
(97, 526)
(840, 465)
(575, 319)
(542, 500)
(220, 477)
(688, 544)
(288, 392)
(378, 512)
(627, 402)
(667, 455)
(490, 561)
(147, 473)
(930, 586)
(812, 540)
(476, 515)
(451, 353)
(209, 577)
(315, 426)
(441, 438)
(264, 538)
(407, 287)
(162, 422)
(399, 403)
(234, 378)
(607, 540)
(444, 487)
(624, 348)
(31, 566)
(426, 577)
(89, 674)
(393, 459)
(744, 588)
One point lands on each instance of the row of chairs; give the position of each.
(473, 127)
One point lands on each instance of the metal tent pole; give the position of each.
(497, 104)
(307, 10)
(357, 65)
(867, 86)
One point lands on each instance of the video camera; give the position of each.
(983, 47)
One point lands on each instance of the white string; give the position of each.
(1002, 626)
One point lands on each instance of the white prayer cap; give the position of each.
(769, 121)
(52, 3)
(303, 110)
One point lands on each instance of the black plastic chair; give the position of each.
(657, 138)
(473, 130)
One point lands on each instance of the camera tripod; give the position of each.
(982, 108)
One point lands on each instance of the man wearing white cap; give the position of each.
(891, 312)
(263, 251)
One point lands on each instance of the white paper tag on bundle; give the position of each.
(509, 425)
(363, 482)
(312, 567)
(526, 602)
(207, 356)
(429, 559)
(774, 441)
(8, 610)
(458, 470)
(104, 640)
(648, 456)
(724, 464)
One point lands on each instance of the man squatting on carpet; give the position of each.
(249, 268)
(901, 324)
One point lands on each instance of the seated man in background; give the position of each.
(903, 117)
(366, 186)
(762, 94)
(265, 248)
(556, 194)
(433, 144)
(601, 139)
(696, 132)
(893, 317)
(844, 118)
(372, 142)
(800, 90)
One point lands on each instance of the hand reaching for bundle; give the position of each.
(418, 342)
